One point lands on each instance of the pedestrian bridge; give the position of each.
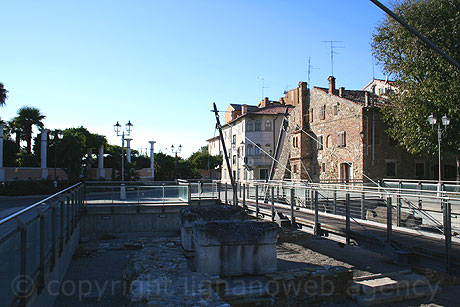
(37, 243)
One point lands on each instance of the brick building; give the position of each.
(338, 134)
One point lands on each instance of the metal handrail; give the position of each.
(16, 214)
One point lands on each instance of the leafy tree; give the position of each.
(203, 160)
(26, 119)
(426, 82)
(3, 95)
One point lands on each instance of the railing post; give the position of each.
(389, 219)
(362, 206)
(41, 273)
(335, 202)
(218, 192)
(67, 215)
(24, 279)
(61, 225)
(200, 191)
(235, 194)
(447, 233)
(293, 207)
(225, 192)
(398, 210)
(347, 218)
(257, 200)
(273, 203)
(189, 194)
(244, 196)
(53, 236)
(316, 229)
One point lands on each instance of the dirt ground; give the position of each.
(309, 251)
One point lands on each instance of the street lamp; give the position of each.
(445, 122)
(55, 136)
(176, 151)
(128, 127)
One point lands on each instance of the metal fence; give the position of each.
(132, 193)
(32, 241)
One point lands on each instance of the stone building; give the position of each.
(251, 134)
(339, 135)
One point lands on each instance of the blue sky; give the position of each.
(161, 64)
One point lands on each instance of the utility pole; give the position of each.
(224, 149)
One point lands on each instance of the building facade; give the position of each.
(250, 139)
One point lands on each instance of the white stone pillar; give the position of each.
(2, 169)
(100, 163)
(44, 149)
(128, 150)
(152, 157)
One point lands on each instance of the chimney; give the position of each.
(331, 80)
(366, 98)
(341, 89)
(244, 109)
(282, 101)
(264, 102)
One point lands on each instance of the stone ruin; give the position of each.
(225, 242)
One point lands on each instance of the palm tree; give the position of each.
(3, 95)
(26, 119)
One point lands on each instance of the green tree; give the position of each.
(26, 119)
(426, 82)
(203, 160)
(3, 95)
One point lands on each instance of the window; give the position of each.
(250, 150)
(234, 140)
(258, 125)
(392, 141)
(263, 173)
(322, 112)
(342, 139)
(319, 143)
(419, 169)
(268, 125)
(323, 167)
(328, 141)
(391, 169)
(268, 149)
(257, 151)
(234, 159)
(293, 141)
(294, 169)
(311, 115)
(245, 174)
(336, 109)
(250, 126)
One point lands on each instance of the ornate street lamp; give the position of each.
(118, 128)
(55, 136)
(445, 122)
(175, 151)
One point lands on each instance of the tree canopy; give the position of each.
(28, 117)
(427, 84)
(3, 95)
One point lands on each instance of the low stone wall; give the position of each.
(304, 287)
(235, 247)
(192, 215)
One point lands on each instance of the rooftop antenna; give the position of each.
(263, 85)
(333, 52)
(309, 71)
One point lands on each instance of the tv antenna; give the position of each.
(333, 52)
(263, 85)
(309, 71)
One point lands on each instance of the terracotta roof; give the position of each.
(237, 107)
(357, 96)
(273, 109)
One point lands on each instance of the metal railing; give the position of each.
(33, 239)
(131, 193)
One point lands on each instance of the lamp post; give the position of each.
(445, 122)
(175, 151)
(117, 127)
(55, 136)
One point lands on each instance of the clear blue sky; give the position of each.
(161, 64)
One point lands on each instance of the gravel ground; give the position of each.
(321, 252)
(95, 276)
